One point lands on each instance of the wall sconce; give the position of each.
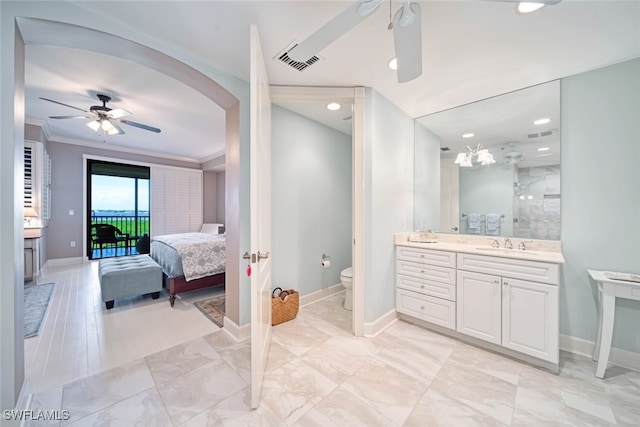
(29, 215)
(467, 154)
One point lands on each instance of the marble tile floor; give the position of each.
(318, 374)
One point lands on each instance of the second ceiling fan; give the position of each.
(407, 35)
(407, 32)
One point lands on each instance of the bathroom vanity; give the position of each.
(502, 299)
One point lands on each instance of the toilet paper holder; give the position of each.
(326, 261)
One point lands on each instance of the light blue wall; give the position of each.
(311, 202)
(486, 190)
(427, 179)
(388, 199)
(600, 195)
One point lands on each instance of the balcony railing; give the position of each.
(133, 225)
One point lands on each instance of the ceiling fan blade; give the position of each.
(66, 105)
(334, 29)
(140, 125)
(119, 130)
(117, 113)
(70, 117)
(407, 40)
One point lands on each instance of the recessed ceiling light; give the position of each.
(333, 106)
(544, 149)
(542, 121)
(525, 7)
(468, 135)
(393, 64)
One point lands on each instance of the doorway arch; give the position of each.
(34, 31)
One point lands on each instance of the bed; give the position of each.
(190, 261)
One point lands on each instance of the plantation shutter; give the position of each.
(29, 175)
(176, 200)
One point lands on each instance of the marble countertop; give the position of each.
(483, 247)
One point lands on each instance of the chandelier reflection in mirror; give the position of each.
(467, 154)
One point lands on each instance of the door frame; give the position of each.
(354, 96)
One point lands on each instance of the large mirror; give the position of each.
(514, 194)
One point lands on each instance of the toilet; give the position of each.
(346, 278)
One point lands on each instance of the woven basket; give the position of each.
(284, 306)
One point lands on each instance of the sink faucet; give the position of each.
(507, 243)
(495, 243)
(523, 244)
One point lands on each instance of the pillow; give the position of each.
(210, 228)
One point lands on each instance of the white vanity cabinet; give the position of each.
(515, 307)
(426, 285)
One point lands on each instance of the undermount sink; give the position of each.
(506, 251)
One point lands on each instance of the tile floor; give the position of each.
(318, 374)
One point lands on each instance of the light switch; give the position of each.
(71, 212)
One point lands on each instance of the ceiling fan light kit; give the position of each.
(464, 158)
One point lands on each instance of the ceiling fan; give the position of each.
(104, 118)
(407, 32)
(407, 35)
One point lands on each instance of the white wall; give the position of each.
(427, 179)
(600, 195)
(311, 202)
(388, 200)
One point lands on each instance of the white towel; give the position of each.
(473, 223)
(493, 225)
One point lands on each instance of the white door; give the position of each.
(479, 306)
(530, 318)
(260, 165)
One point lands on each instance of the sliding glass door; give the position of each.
(117, 208)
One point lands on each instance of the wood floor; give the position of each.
(79, 337)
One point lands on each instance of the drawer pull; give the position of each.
(421, 255)
(422, 271)
(497, 282)
(422, 286)
(506, 283)
(422, 308)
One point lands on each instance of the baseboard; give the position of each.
(618, 356)
(374, 328)
(57, 262)
(321, 294)
(239, 333)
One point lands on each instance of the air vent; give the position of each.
(541, 134)
(445, 149)
(300, 66)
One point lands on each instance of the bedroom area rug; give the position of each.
(213, 308)
(36, 302)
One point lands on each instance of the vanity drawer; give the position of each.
(508, 267)
(429, 256)
(427, 287)
(426, 271)
(435, 310)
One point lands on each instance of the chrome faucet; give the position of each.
(507, 243)
(495, 243)
(523, 244)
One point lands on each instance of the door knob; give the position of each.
(263, 256)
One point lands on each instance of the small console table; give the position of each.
(611, 285)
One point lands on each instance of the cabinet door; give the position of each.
(479, 306)
(530, 318)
